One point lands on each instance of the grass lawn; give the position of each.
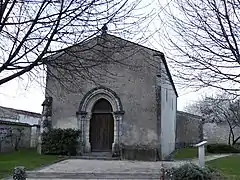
(29, 158)
(186, 153)
(229, 166)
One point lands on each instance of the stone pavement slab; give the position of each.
(113, 166)
(117, 175)
(99, 166)
(108, 169)
(102, 169)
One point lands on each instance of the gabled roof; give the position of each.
(16, 123)
(10, 111)
(158, 53)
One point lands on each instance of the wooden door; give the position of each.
(101, 131)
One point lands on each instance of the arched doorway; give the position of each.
(101, 134)
(85, 113)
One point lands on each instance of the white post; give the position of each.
(201, 153)
(201, 156)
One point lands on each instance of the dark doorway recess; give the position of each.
(101, 127)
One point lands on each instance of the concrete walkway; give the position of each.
(101, 166)
(103, 169)
(108, 169)
(110, 166)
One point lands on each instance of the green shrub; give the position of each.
(60, 142)
(193, 172)
(221, 148)
(237, 145)
(19, 173)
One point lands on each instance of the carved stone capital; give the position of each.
(82, 114)
(118, 115)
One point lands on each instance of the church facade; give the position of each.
(118, 93)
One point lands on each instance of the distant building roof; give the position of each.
(18, 123)
(5, 111)
(181, 113)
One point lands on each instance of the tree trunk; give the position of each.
(229, 138)
(231, 132)
(235, 140)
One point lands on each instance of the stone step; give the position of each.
(117, 175)
(97, 154)
(96, 157)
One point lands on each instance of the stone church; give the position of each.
(120, 95)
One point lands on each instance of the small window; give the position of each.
(166, 95)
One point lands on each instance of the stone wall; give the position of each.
(188, 129)
(218, 133)
(168, 114)
(11, 131)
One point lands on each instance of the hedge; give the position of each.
(192, 172)
(60, 142)
(221, 148)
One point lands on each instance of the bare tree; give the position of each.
(31, 30)
(16, 135)
(203, 41)
(220, 109)
(11, 135)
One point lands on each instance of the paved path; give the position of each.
(100, 169)
(105, 166)
(97, 166)
(211, 157)
(108, 169)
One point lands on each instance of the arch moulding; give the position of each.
(84, 115)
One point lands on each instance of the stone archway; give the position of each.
(84, 115)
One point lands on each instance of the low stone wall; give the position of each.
(12, 133)
(189, 129)
(218, 133)
(139, 153)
